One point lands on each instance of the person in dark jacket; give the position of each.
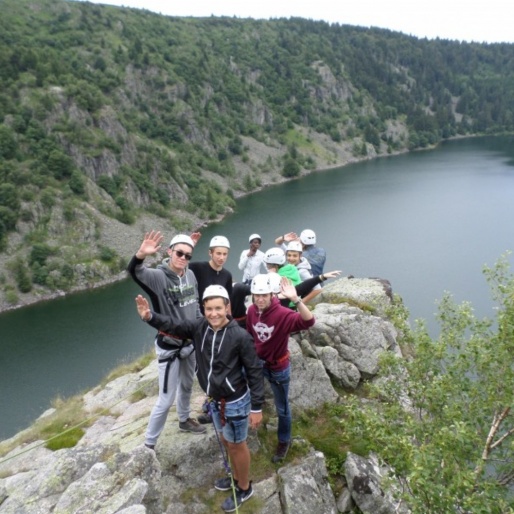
(209, 273)
(229, 372)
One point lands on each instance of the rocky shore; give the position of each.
(120, 237)
(110, 471)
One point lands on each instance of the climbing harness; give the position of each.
(280, 360)
(180, 348)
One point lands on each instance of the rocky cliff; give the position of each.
(110, 471)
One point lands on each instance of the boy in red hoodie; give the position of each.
(270, 325)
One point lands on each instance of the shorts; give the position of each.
(236, 419)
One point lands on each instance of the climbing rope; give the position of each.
(225, 457)
(78, 425)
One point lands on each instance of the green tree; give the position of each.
(8, 218)
(10, 197)
(291, 168)
(60, 164)
(39, 253)
(77, 183)
(453, 444)
(22, 276)
(8, 144)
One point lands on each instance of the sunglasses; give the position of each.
(181, 254)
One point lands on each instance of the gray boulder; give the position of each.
(358, 337)
(373, 294)
(365, 478)
(304, 488)
(310, 385)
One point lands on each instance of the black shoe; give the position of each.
(224, 484)
(281, 452)
(191, 425)
(150, 446)
(229, 505)
(204, 419)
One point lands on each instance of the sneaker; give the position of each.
(281, 452)
(151, 446)
(241, 496)
(191, 425)
(224, 484)
(204, 419)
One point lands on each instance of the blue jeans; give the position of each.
(236, 419)
(279, 382)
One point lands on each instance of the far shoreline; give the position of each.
(36, 299)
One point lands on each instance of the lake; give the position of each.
(426, 221)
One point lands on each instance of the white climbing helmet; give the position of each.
(215, 291)
(219, 241)
(274, 281)
(182, 238)
(260, 284)
(254, 236)
(275, 256)
(308, 237)
(294, 246)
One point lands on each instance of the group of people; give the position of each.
(203, 322)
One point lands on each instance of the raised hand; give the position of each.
(143, 307)
(332, 274)
(151, 244)
(287, 288)
(195, 236)
(290, 236)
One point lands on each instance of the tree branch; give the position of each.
(489, 445)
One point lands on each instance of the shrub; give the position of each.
(22, 277)
(39, 253)
(107, 254)
(291, 168)
(11, 296)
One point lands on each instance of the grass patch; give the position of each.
(130, 367)
(138, 395)
(67, 439)
(59, 429)
(337, 299)
(324, 429)
(297, 138)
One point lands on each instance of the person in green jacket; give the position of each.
(275, 260)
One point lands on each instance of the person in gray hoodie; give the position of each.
(173, 292)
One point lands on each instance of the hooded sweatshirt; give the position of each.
(226, 360)
(270, 330)
(289, 271)
(304, 268)
(170, 294)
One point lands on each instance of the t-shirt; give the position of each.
(251, 266)
(206, 276)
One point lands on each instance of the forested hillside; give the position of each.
(112, 117)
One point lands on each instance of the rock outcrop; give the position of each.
(110, 470)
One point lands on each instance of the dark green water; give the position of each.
(426, 221)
